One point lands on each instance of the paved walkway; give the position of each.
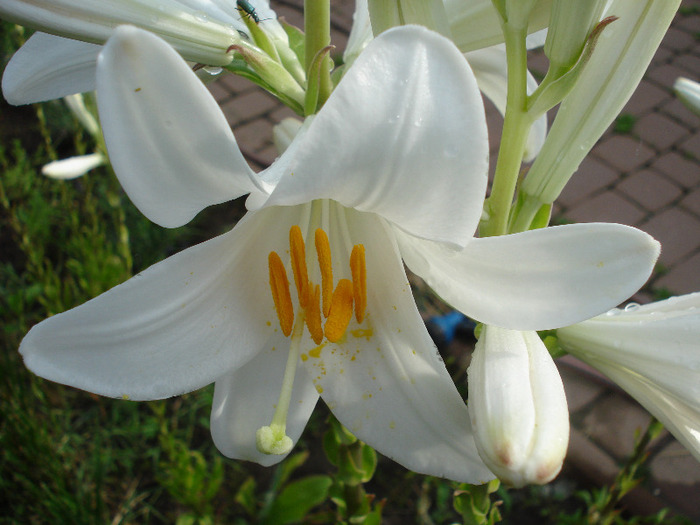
(647, 177)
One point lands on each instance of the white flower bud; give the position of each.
(518, 407)
(689, 93)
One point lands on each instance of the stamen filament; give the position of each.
(359, 280)
(340, 311)
(279, 284)
(323, 249)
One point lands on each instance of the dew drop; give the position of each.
(632, 307)
(213, 70)
(201, 16)
(612, 312)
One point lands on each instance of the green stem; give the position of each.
(317, 31)
(516, 127)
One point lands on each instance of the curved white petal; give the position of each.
(381, 143)
(168, 141)
(360, 34)
(73, 167)
(245, 400)
(539, 279)
(653, 352)
(173, 328)
(192, 27)
(48, 67)
(491, 72)
(517, 406)
(385, 381)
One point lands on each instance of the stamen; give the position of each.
(313, 315)
(323, 249)
(279, 284)
(340, 311)
(298, 255)
(359, 280)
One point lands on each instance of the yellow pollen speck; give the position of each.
(268, 323)
(316, 352)
(352, 358)
(319, 389)
(125, 397)
(392, 424)
(367, 333)
(304, 357)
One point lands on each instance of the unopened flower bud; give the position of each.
(570, 24)
(517, 407)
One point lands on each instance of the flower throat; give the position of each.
(336, 306)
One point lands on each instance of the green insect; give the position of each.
(246, 7)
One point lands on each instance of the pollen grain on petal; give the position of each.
(279, 285)
(340, 312)
(323, 249)
(298, 255)
(359, 280)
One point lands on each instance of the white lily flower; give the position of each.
(357, 171)
(59, 59)
(688, 91)
(653, 352)
(517, 406)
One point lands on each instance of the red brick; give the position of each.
(678, 232)
(606, 207)
(651, 190)
(591, 176)
(623, 152)
(683, 277)
(683, 170)
(659, 131)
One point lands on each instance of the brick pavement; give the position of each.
(647, 176)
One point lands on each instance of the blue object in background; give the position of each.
(444, 328)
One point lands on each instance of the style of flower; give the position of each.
(517, 406)
(653, 352)
(59, 59)
(383, 169)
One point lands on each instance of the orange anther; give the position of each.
(340, 311)
(279, 284)
(298, 255)
(359, 280)
(323, 249)
(313, 314)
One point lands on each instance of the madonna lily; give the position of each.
(517, 407)
(653, 352)
(59, 59)
(381, 168)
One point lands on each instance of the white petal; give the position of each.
(245, 400)
(175, 327)
(193, 27)
(48, 67)
(539, 279)
(360, 34)
(490, 69)
(385, 381)
(382, 144)
(688, 92)
(652, 352)
(168, 141)
(73, 167)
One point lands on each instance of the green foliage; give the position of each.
(473, 503)
(624, 123)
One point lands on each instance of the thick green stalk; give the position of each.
(317, 30)
(516, 127)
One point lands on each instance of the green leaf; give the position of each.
(297, 499)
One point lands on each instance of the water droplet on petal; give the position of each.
(632, 307)
(213, 70)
